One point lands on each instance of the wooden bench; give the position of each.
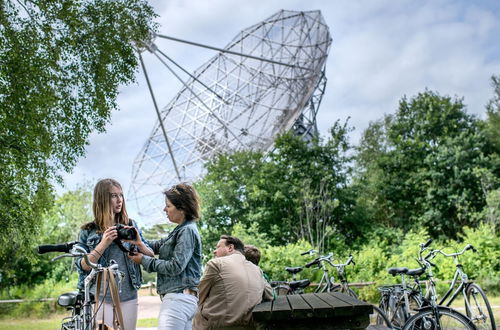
(329, 310)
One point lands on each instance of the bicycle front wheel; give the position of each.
(442, 318)
(344, 290)
(479, 309)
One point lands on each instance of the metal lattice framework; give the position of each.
(268, 80)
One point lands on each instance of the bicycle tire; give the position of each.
(351, 293)
(400, 315)
(480, 312)
(378, 318)
(448, 319)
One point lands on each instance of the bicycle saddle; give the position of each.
(68, 299)
(415, 272)
(299, 284)
(293, 270)
(395, 271)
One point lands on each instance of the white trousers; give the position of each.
(129, 312)
(177, 311)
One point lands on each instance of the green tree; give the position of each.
(60, 224)
(417, 167)
(275, 191)
(493, 112)
(61, 65)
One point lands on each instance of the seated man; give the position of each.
(252, 254)
(230, 288)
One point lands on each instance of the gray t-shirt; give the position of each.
(127, 292)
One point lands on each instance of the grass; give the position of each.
(54, 322)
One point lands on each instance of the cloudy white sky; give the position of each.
(381, 51)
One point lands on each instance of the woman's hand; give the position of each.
(137, 240)
(139, 243)
(109, 236)
(137, 257)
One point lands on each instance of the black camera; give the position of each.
(125, 233)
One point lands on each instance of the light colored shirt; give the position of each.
(230, 288)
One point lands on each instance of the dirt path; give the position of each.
(149, 307)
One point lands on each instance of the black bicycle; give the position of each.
(477, 306)
(282, 288)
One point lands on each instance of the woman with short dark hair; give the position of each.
(178, 266)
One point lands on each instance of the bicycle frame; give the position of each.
(86, 316)
(464, 282)
(327, 282)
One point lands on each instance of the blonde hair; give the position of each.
(101, 205)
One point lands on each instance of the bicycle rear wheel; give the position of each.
(378, 319)
(479, 309)
(445, 318)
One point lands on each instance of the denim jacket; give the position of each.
(89, 239)
(179, 263)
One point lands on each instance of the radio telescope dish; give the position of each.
(267, 80)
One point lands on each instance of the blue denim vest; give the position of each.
(179, 263)
(89, 239)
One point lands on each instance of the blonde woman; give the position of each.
(99, 238)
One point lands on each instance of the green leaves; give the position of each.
(419, 166)
(61, 63)
(300, 190)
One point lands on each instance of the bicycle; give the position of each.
(80, 302)
(327, 284)
(433, 316)
(477, 306)
(281, 288)
(393, 301)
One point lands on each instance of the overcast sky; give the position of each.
(381, 51)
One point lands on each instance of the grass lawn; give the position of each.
(55, 323)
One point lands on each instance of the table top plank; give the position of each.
(339, 307)
(300, 308)
(359, 304)
(319, 307)
(281, 308)
(263, 311)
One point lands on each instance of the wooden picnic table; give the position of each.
(329, 310)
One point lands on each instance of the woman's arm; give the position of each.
(186, 241)
(107, 237)
(140, 242)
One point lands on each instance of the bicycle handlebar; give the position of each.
(312, 263)
(467, 247)
(310, 252)
(65, 247)
(429, 241)
(70, 249)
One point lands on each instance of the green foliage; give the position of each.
(251, 235)
(62, 64)
(50, 288)
(493, 111)
(418, 166)
(274, 259)
(298, 191)
(375, 257)
(59, 224)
